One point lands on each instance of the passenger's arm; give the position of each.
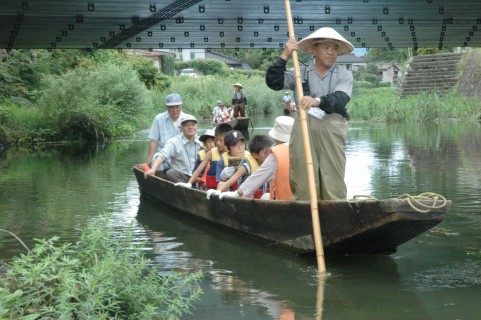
(152, 148)
(242, 171)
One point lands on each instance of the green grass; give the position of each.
(384, 105)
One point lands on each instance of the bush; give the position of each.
(104, 275)
(205, 66)
(95, 104)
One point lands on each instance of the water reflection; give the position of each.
(57, 189)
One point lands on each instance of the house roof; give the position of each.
(350, 58)
(230, 61)
(177, 24)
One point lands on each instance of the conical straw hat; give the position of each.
(326, 33)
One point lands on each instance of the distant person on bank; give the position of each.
(181, 151)
(327, 90)
(166, 125)
(239, 101)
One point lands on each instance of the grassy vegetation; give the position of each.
(72, 95)
(199, 95)
(104, 275)
(384, 105)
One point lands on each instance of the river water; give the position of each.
(55, 190)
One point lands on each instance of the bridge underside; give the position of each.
(182, 24)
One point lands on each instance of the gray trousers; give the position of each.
(327, 138)
(172, 175)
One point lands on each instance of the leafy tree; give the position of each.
(145, 68)
(386, 54)
(168, 65)
(367, 77)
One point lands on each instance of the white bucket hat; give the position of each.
(326, 33)
(282, 128)
(209, 133)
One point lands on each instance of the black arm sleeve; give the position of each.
(275, 75)
(335, 103)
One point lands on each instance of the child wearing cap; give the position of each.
(237, 163)
(274, 168)
(259, 146)
(208, 143)
(210, 160)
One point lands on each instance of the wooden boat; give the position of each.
(240, 123)
(348, 227)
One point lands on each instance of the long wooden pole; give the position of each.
(316, 226)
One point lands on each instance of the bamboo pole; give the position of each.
(316, 226)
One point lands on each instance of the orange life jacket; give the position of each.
(279, 187)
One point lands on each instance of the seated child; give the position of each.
(275, 167)
(232, 176)
(210, 159)
(208, 143)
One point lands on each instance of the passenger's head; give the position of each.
(173, 104)
(281, 131)
(259, 146)
(188, 126)
(238, 86)
(208, 139)
(235, 143)
(220, 132)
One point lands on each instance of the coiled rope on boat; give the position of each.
(416, 201)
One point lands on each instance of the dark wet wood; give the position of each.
(348, 227)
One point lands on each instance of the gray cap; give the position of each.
(219, 101)
(173, 100)
(187, 117)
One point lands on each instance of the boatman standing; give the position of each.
(327, 90)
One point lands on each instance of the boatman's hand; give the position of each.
(309, 102)
(289, 47)
(232, 194)
(183, 185)
(211, 192)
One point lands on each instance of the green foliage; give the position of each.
(200, 94)
(424, 51)
(382, 104)
(95, 104)
(205, 66)
(386, 55)
(145, 68)
(367, 77)
(363, 84)
(168, 65)
(104, 275)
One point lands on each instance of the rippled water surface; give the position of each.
(56, 190)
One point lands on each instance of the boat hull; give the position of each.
(348, 227)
